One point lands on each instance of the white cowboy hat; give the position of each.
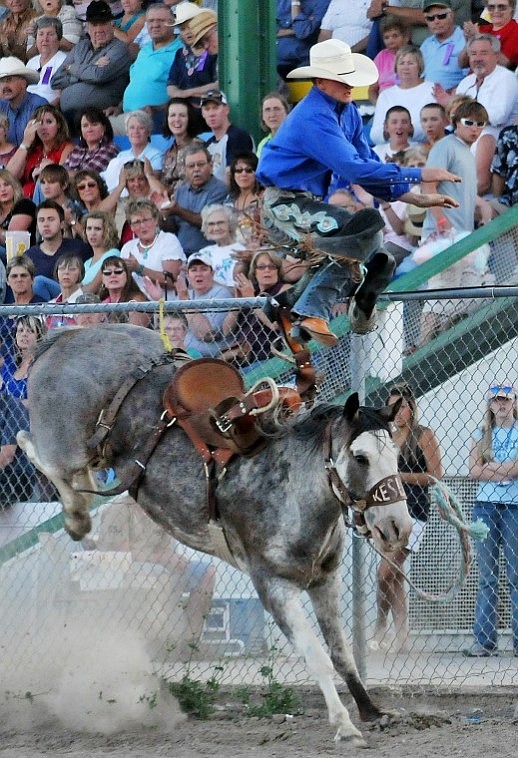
(184, 12)
(332, 59)
(12, 66)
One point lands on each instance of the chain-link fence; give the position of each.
(129, 574)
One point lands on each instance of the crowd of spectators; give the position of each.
(121, 158)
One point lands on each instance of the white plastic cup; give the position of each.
(16, 243)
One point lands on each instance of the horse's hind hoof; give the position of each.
(78, 526)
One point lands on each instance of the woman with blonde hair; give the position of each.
(102, 236)
(17, 213)
(413, 93)
(419, 465)
(493, 461)
(7, 149)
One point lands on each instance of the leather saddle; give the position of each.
(208, 398)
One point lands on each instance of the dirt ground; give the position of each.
(477, 725)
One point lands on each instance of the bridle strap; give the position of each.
(388, 490)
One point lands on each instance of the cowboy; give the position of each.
(321, 147)
(16, 103)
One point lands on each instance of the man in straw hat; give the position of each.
(16, 103)
(319, 146)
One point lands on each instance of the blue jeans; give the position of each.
(502, 521)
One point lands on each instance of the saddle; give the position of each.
(208, 399)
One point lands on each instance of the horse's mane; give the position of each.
(313, 423)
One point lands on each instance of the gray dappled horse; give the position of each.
(282, 520)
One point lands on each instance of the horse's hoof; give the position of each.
(355, 740)
(78, 526)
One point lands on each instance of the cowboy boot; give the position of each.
(380, 270)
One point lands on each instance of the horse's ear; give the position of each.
(351, 406)
(388, 412)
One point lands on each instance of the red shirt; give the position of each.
(508, 36)
(34, 158)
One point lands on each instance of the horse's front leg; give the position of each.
(75, 504)
(283, 600)
(326, 599)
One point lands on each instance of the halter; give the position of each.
(388, 490)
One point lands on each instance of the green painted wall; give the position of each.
(247, 58)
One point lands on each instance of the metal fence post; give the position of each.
(359, 545)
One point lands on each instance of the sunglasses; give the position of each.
(246, 170)
(437, 16)
(507, 390)
(134, 163)
(469, 122)
(113, 272)
(492, 8)
(90, 185)
(401, 391)
(266, 266)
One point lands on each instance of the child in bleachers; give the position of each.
(395, 34)
(433, 123)
(397, 130)
(55, 185)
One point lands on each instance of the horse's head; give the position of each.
(368, 465)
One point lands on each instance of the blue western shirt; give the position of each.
(316, 140)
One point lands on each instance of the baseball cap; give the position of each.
(214, 96)
(200, 257)
(502, 389)
(440, 3)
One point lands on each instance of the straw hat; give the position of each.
(185, 12)
(201, 24)
(12, 66)
(414, 221)
(333, 59)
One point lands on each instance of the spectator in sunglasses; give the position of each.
(419, 464)
(453, 152)
(503, 26)
(245, 197)
(442, 48)
(493, 462)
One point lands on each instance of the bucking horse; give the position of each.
(96, 399)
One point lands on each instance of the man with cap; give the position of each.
(442, 49)
(192, 73)
(16, 103)
(95, 72)
(207, 331)
(227, 140)
(321, 145)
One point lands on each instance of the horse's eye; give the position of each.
(361, 459)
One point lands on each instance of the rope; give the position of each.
(165, 339)
(450, 511)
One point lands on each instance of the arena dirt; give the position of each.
(474, 725)
(77, 696)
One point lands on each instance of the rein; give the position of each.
(388, 490)
(450, 511)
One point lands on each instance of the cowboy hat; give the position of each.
(332, 59)
(99, 11)
(201, 24)
(185, 11)
(12, 66)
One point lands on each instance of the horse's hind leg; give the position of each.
(75, 504)
(326, 599)
(283, 601)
